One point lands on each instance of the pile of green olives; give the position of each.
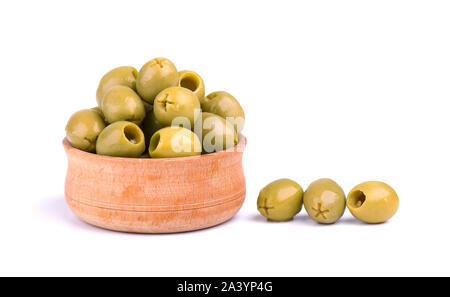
(156, 112)
(371, 202)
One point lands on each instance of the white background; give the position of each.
(351, 90)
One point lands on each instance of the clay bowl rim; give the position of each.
(239, 147)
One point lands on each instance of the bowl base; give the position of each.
(156, 221)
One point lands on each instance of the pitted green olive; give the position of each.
(123, 104)
(172, 142)
(156, 75)
(176, 103)
(373, 202)
(121, 139)
(280, 200)
(226, 106)
(324, 201)
(120, 76)
(192, 81)
(83, 128)
(217, 134)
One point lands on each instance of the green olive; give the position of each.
(202, 101)
(122, 76)
(121, 139)
(99, 111)
(172, 142)
(372, 202)
(83, 128)
(156, 75)
(192, 81)
(176, 103)
(226, 106)
(280, 200)
(149, 126)
(123, 104)
(217, 133)
(324, 201)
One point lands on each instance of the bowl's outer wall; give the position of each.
(155, 195)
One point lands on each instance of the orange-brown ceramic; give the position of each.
(155, 195)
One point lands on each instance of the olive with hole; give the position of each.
(324, 201)
(123, 104)
(83, 128)
(156, 75)
(192, 81)
(226, 106)
(373, 202)
(176, 103)
(120, 76)
(280, 200)
(216, 133)
(149, 126)
(172, 142)
(121, 139)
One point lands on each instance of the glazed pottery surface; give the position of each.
(155, 195)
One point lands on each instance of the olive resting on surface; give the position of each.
(172, 142)
(122, 76)
(121, 139)
(156, 75)
(280, 200)
(123, 104)
(83, 128)
(324, 201)
(373, 202)
(176, 103)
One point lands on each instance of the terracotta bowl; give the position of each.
(155, 195)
